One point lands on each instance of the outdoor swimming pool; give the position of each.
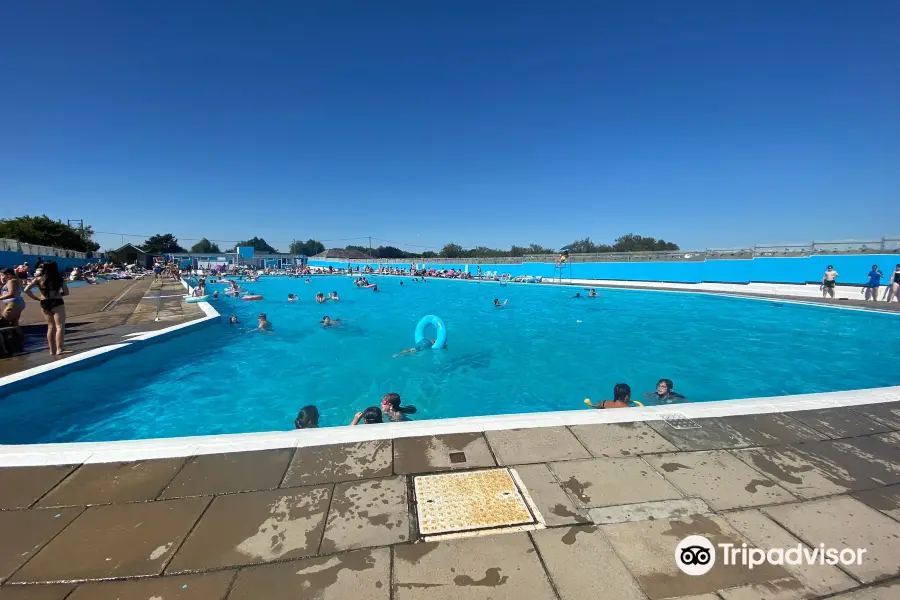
(544, 352)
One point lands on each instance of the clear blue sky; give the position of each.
(709, 123)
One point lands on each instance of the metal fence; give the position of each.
(885, 245)
(7, 245)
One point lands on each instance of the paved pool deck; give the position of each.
(339, 521)
(99, 315)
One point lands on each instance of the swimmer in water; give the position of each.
(401, 283)
(308, 280)
(390, 408)
(577, 295)
(308, 418)
(233, 320)
(329, 322)
(592, 293)
(291, 298)
(419, 347)
(665, 393)
(264, 324)
(621, 397)
(216, 295)
(497, 303)
(334, 296)
(320, 298)
(375, 288)
(369, 416)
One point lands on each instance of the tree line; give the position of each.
(44, 231)
(168, 244)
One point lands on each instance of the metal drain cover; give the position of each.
(679, 421)
(456, 502)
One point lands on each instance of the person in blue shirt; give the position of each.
(874, 282)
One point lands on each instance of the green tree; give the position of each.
(162, 243)
(538, 249)
(429, 254)
(390, 252)
(258, 244)
(310, 247)
(45, 231)
(204, 246)
(636, 243)
(452, 250)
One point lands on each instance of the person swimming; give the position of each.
(621, 397)
(375, 288)
(369, 416)
(329, 322)
(264, 324)
(665, 393)
(321, 299)
(334, 296)
(401, 283)
(497, 303)
(578, 295)
(390, 407)
(424, 344)
(291, 298)
(308, 280)
(593, 293)
(308, 418)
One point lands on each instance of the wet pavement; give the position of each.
(336, 522)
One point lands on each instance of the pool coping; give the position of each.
(155, 448)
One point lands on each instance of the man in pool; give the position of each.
(291, 298)
(321, 299)
(577, 295)
(828, 281)
(665, 393)
(264, 324)
(497, 303)
(592, 293)
(233, 320)
(621, 397)
(334, 296)
(329, 322)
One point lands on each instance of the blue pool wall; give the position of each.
(11, 259)
(853, 269)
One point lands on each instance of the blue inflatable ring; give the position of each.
(424, 322)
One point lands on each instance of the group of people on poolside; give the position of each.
(390, 410)
(870, 289)
(51, 286)
(665, 394)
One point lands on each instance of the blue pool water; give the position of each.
(545, 351)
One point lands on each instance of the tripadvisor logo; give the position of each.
(696, 555)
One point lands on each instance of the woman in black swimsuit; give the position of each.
(893, 289)
(52, 288)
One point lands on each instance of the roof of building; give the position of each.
(131, 246)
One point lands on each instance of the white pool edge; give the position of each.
(131, 450)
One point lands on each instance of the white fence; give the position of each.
(7, 245)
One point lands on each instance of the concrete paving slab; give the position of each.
(498, 567)
(36, 592)
(719, 478)
(611, 481)
(844, 522)
(886, 499)
(24, 532)
(441, 453)
(552, 502)
(566, 551)
(806, 580)
(367, 513)
(105, 483)
(649, 511)
(538, 445)
(713, 434)
(202, 586)
(255, 527)
(116, 540)
(888, 591)
(802, 472)
(648, 550)
(888, 413)
(621, 439)
(211, 474)
(839, 422)
(360, 575)
(873, 457)
(339, 462)
(774, 428)
(22, 486)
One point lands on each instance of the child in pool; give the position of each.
(390, 407)
(369, 416)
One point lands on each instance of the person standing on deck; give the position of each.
(828, 281)
(874, 283)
